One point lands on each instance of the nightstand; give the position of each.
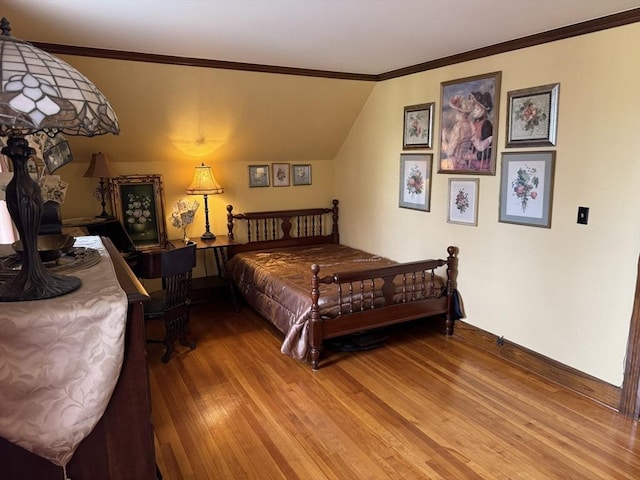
(203, 286)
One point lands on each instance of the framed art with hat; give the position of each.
(468, 124)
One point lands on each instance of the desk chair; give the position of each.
(173, 303)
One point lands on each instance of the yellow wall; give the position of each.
(172, 118)
(564, 292)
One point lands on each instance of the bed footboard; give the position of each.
(407, 294)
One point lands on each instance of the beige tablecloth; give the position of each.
(60, 360)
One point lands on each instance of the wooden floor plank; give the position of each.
(424, 406)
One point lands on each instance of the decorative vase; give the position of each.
(138, 227)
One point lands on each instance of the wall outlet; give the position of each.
(583, 215)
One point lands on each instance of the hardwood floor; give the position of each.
(422, 407)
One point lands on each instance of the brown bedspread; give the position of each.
(277, 284)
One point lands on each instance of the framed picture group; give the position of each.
(467, 134)
(283, 175)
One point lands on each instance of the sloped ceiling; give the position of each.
(256, 117)
(356, 36)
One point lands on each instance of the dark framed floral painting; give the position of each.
(533, 116)
(415, 181)
(139, 205)
(463, 201)
(526, 188)
(418, 126)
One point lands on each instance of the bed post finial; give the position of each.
(334, 231)
(315, 335)
(230, 221)
(452, 274)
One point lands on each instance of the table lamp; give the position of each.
(99, 167)
(204, 183)
(40, 93)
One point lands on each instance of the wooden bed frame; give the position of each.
(288, 228)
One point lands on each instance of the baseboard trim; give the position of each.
(591, 387)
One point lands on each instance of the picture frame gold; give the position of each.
(532, 115)
(138, 203)
(281, 175)
(463, 201)
(258, 176)
(415, 181)
(526, 188)
(417, 126)
(469, 124)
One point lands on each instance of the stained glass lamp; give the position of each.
(40, 93)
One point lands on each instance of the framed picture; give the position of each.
(139, 205)
(468, 124)
(415, 180)
(418, 126)
(463, 201)
(526, 188)
(258, 176)
(57, 156)
(280, 174)
(533, 116)
(301, 175)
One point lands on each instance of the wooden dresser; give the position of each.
(121, 445)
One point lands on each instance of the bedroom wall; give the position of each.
(564, 292)
(174, 117)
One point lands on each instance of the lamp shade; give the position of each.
(204, 183)
(100, 166)
(40, 92)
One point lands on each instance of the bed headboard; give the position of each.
(283, 228)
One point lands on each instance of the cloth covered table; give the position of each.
(60, 360)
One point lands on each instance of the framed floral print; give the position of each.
(468, 124)
(463, 201)
(526, 188)
(280, 174)
(301, 175)
(415, 181)
(533, 116)
(139, 205)
(258, 176)
(418, 126)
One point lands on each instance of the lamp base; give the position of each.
(26, 287)
(208, 236)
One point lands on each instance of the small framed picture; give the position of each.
(418, 126)
(301, 175)
(463, 201)
(415, 180)
(258, 176)
(280, 174)
(57, 156)
(533, 116)
(526, 188)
